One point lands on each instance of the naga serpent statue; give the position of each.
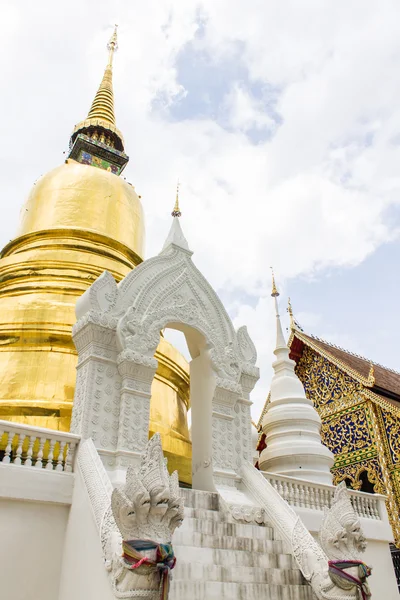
(137, 528)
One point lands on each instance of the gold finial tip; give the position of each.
(274, 292)
(176, 212)
(371, 376)
(290, 309)
(113, 43)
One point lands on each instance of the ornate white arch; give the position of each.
(168, 290)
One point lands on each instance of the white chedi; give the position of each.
(291, 424)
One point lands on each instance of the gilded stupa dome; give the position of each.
(80, 197)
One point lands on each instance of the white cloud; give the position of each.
(245, 112)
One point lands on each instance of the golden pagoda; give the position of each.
(80, 219)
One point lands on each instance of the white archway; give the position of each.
(125, 321)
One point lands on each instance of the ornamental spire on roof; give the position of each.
(290, 311)
(96, 141)
(371, 376)
(177, 211)
(175, 236)
(280, 340)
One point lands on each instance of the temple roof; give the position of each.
(381, 383)
(381, 380)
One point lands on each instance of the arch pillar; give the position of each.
(226, 433)
(137, 372)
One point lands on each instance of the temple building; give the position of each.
(79, 219)
(358, 402)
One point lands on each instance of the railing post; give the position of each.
(70, 457)
(60, 459)
(21, 437)
(39, 463)
(49, 463)
(28, 460)
(7, 453)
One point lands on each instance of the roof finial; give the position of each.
(290, 311)
(176, 212)
(371, 376)
(274, 292)
(112, 45)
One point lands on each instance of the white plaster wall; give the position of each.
(382, 580)
(83, 575)
(32, 539)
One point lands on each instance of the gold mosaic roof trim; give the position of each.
(366, 382)
(308, 340)
(298, 332)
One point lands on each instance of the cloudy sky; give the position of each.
(282, 120)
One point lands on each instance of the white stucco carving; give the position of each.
(341, 539)
(147, 507)
(118, 330)
(143, 515)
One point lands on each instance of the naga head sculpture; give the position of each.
(341, 535)
(130, 504)
(149, 505)
(155, 478)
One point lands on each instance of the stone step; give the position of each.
(227, 528)
(186, 537)
(198, 499)
(208, 515)
(273, 559)
(216, 590)
(197, 571)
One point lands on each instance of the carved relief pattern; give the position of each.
(346, 431)
(242, 422)
(222, 439)
(134, 421)
(104, 417)
(391, 425)
(353, 472)
(393, 498)
(329, 388)
(79, 399)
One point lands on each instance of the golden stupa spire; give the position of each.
(96, 141)
(177, 211)
(103, 103)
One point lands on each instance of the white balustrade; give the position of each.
(316, 496)
(37, 447)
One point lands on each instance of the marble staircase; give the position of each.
(218, 557)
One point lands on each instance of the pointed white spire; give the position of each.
(280, 339)
(176, 236)
(291, 424)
